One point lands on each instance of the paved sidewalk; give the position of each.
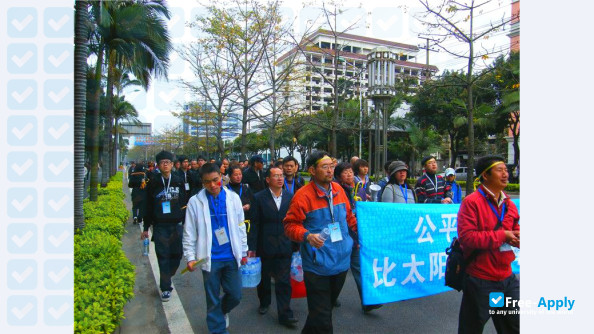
(144, 313)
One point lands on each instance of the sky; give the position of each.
(389, 20)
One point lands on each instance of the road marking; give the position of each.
(177, 319)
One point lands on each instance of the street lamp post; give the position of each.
(381, 66)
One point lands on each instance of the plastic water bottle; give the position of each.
(325, 233)
(145, 247)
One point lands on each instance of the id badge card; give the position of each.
(505, 247)
(221, 236)
(187, 186)
(335, 234)
(166, 207)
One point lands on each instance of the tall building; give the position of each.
(206, 126)
(317, 54)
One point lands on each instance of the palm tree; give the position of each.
(80, 89)
(137, 39)
(129, 35)
(122, 110)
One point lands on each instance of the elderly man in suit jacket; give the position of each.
(268, 239)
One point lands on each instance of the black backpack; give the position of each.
(456, 264)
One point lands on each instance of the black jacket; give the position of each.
(245, 194)
(156, 196)
(135, 182)
(196, 183)
(250, 177)
(299, 183)
(267, 234)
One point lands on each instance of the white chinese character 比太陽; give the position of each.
(413, 264)
(437, 263)
(385, 271)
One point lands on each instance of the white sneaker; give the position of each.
(226, 320)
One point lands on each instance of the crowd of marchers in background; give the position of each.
(218, 215)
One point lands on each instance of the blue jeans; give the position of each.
(225, 274)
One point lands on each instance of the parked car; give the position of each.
(462, 172)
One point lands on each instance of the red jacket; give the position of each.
(476, 221)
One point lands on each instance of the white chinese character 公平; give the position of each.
(450, 222)
(425, 235)
(437, 263)
(413, 264)
(385, 271)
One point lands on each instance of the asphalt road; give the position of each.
(145, 314)
(433, 314)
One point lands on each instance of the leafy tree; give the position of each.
(451, 20)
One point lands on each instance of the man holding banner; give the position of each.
(321, 206)
(487, 228)
(432, 188)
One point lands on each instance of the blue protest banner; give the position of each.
(403, 249)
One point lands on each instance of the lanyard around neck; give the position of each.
(499, 217)
(434, 184)
(168, 183)
(240, 189)
(292, 190)
(404, 192)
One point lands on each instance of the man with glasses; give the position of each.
(432, 188)
(215, 232)
(165, 211)
(319, 205)
(267, 238)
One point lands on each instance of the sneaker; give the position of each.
(226, 320)
(165, 296)
(135, 220)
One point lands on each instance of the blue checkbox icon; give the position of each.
(21, 22)
(58, 94)
(58, 275)
(58, 202)
(21, 274)
(21, 58)
(496, 299)
(21, 310)
(22, 94)
(177, 23)
(21, 130)
(58, 238)
(58, 310)
(22, 238)
(167, 95)
(21, 166)
(58, 58)
(59, 166)
(21, 202)
(58, 130)
(58, 22)
(387, 22)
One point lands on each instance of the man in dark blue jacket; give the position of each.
(267, 237)
(166, 211)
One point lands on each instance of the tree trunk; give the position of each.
(107, 139)
(95, 130)
(80, 110)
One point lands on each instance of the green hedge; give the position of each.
(104, 277)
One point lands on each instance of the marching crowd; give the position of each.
(217, 214)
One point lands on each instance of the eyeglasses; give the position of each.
(165, 162)
(327, 167)
(277, 176)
